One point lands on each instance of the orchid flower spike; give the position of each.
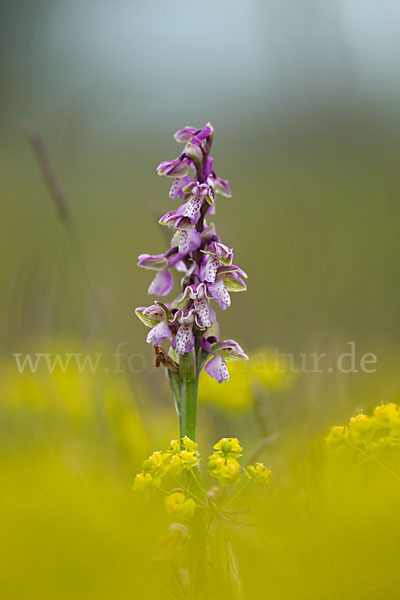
(205, 263)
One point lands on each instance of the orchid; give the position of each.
(222, 353)
(155, 316)
(207, 271)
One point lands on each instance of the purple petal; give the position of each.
(222, 187)
(173, 168)
(203, 133)
(181, 267)
(220, 293)
(185, 134)
(177, 186)
(211, 210)
(217, 369)
(189, 241)
(156, 262)
(209, 268)
(183, 342)
(173, 219)
(162, 284)
(205, 314)
(229, 349)
(175, 259)
(208, 167)
(191, 209)
(159, 333)
(197, 290)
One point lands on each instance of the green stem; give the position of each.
(188, 396)
(175, 383)
(238, 493)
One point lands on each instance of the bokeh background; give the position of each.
(304, 97)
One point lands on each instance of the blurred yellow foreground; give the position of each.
(71, 527)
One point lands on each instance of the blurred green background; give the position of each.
(304, 97)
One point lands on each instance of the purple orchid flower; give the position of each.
(215, 255)
(186, 134)
(227, 279)
(204, 313)
(188, 214)
(222, 352)
(198, 254)
(163, 282)
(156, 316)
(154, 262)
(184, 340)
(193, 135)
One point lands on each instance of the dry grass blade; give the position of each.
(47, 170)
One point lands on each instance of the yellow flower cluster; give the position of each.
(380, 430)
(228, 447)
(179, 457)
(223, 463)
(226, 470)
(182, 456)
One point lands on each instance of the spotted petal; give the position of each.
(205, 314)
(183, 342)
(191, 209)
(177, 187)
(217, 369)
(209, 267)
(189, 241)
(220, 293)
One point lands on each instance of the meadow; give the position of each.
(97, 500)
(72, 440)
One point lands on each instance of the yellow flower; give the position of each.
(336, 435)
(259, 473)
(174, 446)
(156, 465)
(228, 447)
(387, 416)
(361, 428)
(226, 469)
(188, 444)
(143, 481)
(184, 460)
(178, 505)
